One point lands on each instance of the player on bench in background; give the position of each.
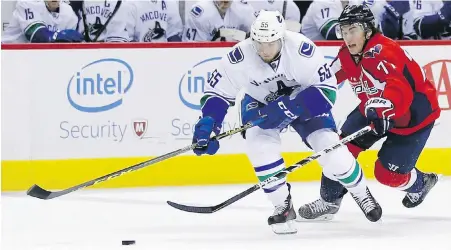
(218, 21)
(42, 22)
(395, 97)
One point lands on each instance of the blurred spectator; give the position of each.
(403, 8)
(303, 7)
(218, 21)
(103, 20)
(42, 22)
(320, 20)
(288, 8)
(155, 21)
(432, 19)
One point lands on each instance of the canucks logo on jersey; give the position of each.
(155, 33)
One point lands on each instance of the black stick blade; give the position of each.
(192, 209)
(38, 192)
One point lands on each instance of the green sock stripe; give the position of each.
(264, 177)
(353, 176)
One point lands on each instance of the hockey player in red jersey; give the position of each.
(395, 97)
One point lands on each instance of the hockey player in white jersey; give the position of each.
(320, 21)
(42, 22)
(286, 80)
(104, 20)
(431, 19)
(287, 8)
(155, 21)
(218, 20)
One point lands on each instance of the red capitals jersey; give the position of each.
(386, 70)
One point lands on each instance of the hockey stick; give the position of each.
(212, 209)
(102, 29)
(40, 193)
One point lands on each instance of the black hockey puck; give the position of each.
(128, 242)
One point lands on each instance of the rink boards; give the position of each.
(74, 114)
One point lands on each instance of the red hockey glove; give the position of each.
(380, 111)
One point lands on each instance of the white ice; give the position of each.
(101, 219)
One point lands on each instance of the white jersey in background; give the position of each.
(322, 16)
(291, 9)
(421, 8)
(97, 14)
(287, 8)
(204, 20)
(243, 69)
(28, 16)
(154, 21)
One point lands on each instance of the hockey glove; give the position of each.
(67, 36)
(279, 113)
(202, 132)
(379, 112)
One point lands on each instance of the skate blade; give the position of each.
(326, 217)
(288, 227)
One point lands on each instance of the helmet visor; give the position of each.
(348, 30)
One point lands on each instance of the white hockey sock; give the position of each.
(277, 191)
(353, 180)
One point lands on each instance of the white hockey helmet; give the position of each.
(269, 26)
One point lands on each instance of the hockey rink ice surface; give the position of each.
(101, 219)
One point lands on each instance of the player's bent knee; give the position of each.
(388, 177)
(262, 142)
(355, 150)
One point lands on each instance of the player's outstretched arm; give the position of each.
(220, 92)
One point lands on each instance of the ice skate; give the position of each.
(283, 219)
(415, 199)
(369, 206)
(319, 210)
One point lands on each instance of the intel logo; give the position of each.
(100, 85)
(192, 84)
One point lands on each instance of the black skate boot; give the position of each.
(319, 210)
(415, 199)
(369, 206)
(283, 218)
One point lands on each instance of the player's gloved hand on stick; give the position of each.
(379, 112)
(202, 133)
(279, 113)
(67, 36)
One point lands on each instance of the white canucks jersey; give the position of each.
(204, 20)
(154, 21)
(301, 64)
(291, 10)
(322, 16)
(29, 16)
(97, 14)
(421, 8)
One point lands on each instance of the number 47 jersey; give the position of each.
(300, 65)
(387, 71)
